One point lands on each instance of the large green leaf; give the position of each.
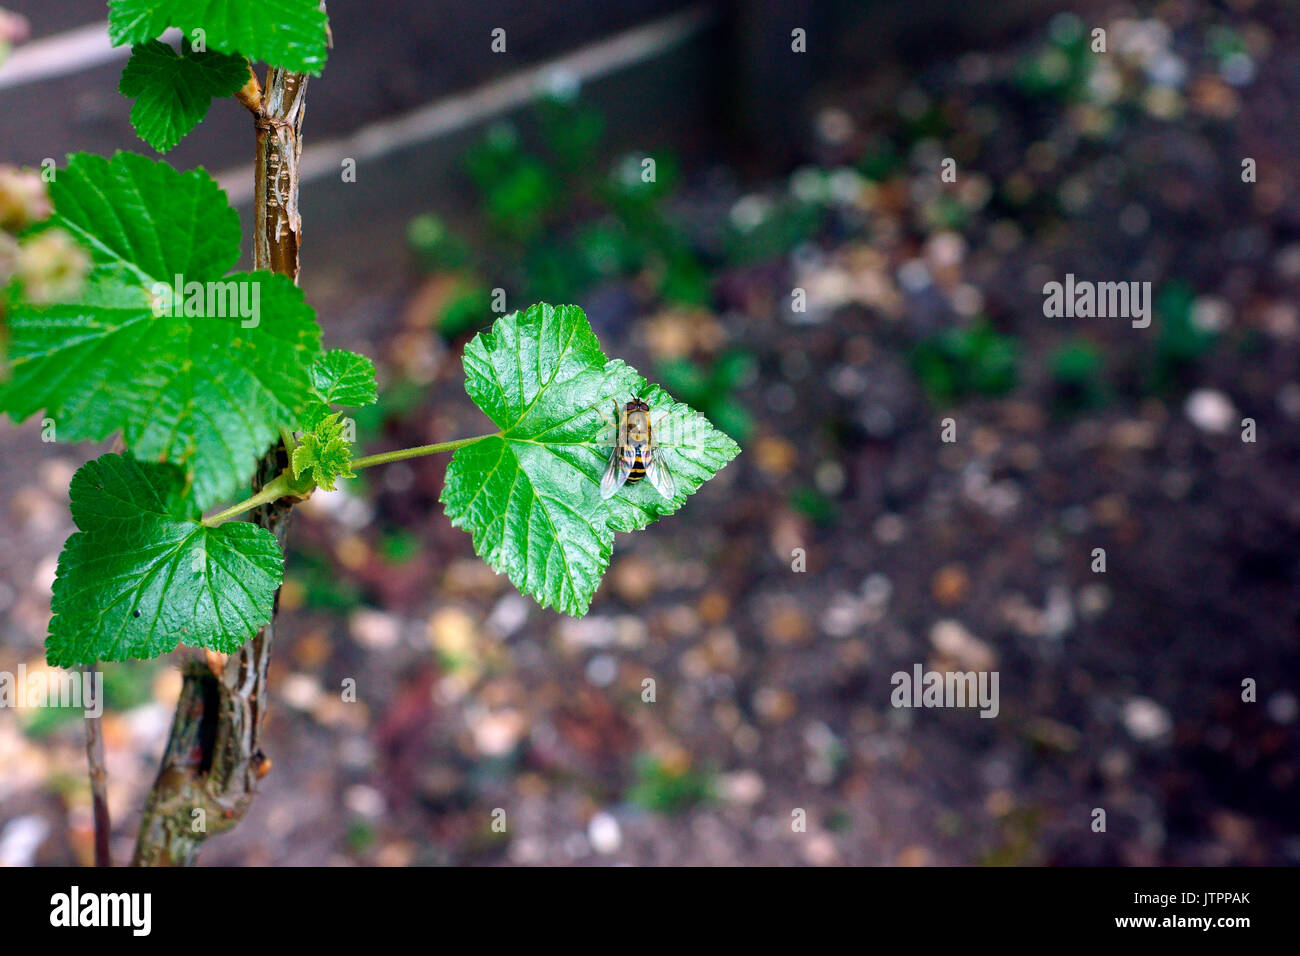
(530, 497)
(137, 578)
(146, 221)
(173, 92)
(207, 391)
(287, 33)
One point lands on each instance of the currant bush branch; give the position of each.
(284, 485)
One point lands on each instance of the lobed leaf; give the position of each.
(138, 578)
(206, 390)
(340, 377)
(530, 496)
(144, 221)
(173, 91)
(323, 455)
(286, 33)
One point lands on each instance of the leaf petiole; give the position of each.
(279, 486)
(284, 483)
(419, 451)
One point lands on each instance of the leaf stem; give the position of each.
(402, 453)
(277, 487)
(284, 483)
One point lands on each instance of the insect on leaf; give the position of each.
(530, 497)
(138, 577)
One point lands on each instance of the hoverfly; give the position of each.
(636, 454)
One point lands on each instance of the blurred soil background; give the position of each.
(1120, 690)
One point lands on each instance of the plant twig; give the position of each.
(210, 767)
(98, 771)
(278, 225)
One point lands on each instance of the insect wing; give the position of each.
(657, 471)
(620, 466)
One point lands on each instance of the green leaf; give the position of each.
(146, 221)
(530, 497)
(173, 92)
(340, 377)
(287, 33)
(323, 452)
(207, 391)
(137, 579)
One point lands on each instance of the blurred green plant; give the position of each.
(1180, 343)
(435, 246)
(962, 362)
(322, 587)
(563, 218)
(396, 401)
(438, 250)
(713, 389)
(839, 820)
(928, 123)
(1060, 67)
(360, 836)
(948, 212)
(466, 309)
(399, 546)
(515, 188)
(814, 506)
(571, 130)
(1078, 370)
(1223, 41)
(668, 789)
(880, 160)
(774, 230)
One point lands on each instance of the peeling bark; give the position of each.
(213, 759)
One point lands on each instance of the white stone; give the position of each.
(605, 834)
(1211, 411)
(1146, 720)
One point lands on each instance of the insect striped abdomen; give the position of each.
(637, 472)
